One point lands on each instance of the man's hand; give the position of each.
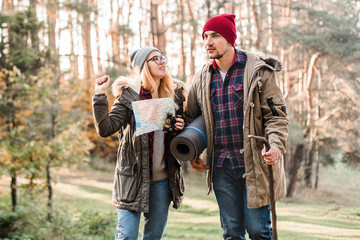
(198, 164)
(271, 157)
(101, 84)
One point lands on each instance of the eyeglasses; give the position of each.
(159, 59)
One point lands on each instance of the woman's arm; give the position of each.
(107, 123)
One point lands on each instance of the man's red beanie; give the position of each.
(223, 24)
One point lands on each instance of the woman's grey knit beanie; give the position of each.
(139, 56)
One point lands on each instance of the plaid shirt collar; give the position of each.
(145, 94)
(239, 58)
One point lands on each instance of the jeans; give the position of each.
(155, 219)
(235, 216)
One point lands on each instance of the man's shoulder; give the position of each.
(203, 69)
(200, 73)
(260, 59)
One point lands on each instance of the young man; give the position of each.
(237, 93)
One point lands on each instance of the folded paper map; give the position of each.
(150, 114)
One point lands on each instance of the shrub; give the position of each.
(30, 222)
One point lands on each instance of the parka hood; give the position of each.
(256, 59)
(123, 82)
(273, 62)
(179, 85)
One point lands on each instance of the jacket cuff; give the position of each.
(100, 96)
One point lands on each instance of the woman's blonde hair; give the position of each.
(166, 88)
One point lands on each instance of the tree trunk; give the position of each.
(74, 62)
(126, 36)
(86, 37)
(249, 24)
(310, 78)
(48, 166)
(194, 36)
(317, 121)
(158, 29)
(162, 36)
(52, 16)
(309, 165)
(182, 48)
(50, 190)
(31, 179)
(232, 6)
(240, 31)
(115, 39)
(140, 24)
(288, 8)
(256, 24)
(31, 185)
(98, 57)
(34, 36)
(120, 36)
(317, 164)
(8, 7)
(297, 158)
(311, 129)
(270, 23)
(208, 8)
(13, 188)
(153, 21)
(51, 9)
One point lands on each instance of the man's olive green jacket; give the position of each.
(260, 84)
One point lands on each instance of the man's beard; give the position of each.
(218, 56)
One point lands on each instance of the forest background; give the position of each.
(52, 51)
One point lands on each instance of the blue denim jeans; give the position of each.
(235, 216)
(155, 220)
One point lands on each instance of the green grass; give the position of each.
(93, 189)
(82, 204)
(198, 217)
(313, 215)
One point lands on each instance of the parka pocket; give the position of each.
(126, 183)
(238, 95)
(278, 104)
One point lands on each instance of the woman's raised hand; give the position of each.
(102, 84)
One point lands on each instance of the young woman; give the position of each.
(147, 176)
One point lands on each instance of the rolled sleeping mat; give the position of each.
(190, 142)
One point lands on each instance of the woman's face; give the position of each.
(157, 65)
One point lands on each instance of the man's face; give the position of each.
(215, 44)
